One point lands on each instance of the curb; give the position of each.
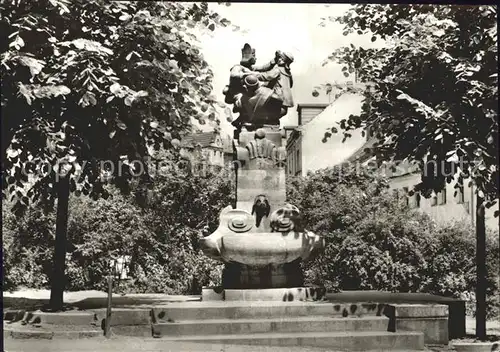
(50, 335)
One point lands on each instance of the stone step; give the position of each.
(78, 318)
(13, 314)
(351, 341)
(126, 316)
(132, 330)
(49, 334)
(250, 326)
(247, 310)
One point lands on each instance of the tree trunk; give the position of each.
(481, 271)
(58, 278)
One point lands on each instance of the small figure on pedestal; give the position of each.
(260, 208)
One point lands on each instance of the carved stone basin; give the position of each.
(257, 249)
(263, 248)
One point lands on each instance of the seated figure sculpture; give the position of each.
(237, 73)
(271, 95)
(257, 104)
(278, 77)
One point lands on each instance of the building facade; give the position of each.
(204, 148)
(307, 151)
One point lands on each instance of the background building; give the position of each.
(205, 147)
(306, 149)
(308, 152)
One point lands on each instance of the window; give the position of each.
(460, 194)
(442, 197)
(406, 196)
(434, 200)
(299, 163)
(294, 157)
(467, 207)
(413, 200)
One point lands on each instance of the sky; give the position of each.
(268, 27)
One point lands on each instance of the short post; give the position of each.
(108, 308)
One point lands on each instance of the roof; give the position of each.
(293, 137)
(203, 139)
(362, 154)
(315, 105)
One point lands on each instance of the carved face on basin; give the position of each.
(286, 219)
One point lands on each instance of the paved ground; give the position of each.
(131, 344)
(35, 299)
(76, 296)
(492, 326)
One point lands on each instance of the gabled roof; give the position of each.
(361, 154)
(312, 105)
(202, 139)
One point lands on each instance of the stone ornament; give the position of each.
(262, 148)
(260, 208)
(286, 219)
(230, 221)
(234, 241)
(240, 222)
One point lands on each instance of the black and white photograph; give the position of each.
(249, 176)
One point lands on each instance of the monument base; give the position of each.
(291, 294)
(239, 276)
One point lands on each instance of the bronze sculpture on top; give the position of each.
(260, 94)
(262, 241)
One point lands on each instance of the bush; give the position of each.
(453, 269)
(383, 249)
(27, 249)
(160, 232)
(374, 242)
(389, 251)
(332, 201)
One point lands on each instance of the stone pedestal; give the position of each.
(239, 276)
(262, 241)
(289, 294)
(261, 158)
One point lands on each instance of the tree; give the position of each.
(88, 87)
(434, 98)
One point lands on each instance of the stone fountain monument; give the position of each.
(262, 241)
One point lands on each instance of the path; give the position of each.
(131, 344)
